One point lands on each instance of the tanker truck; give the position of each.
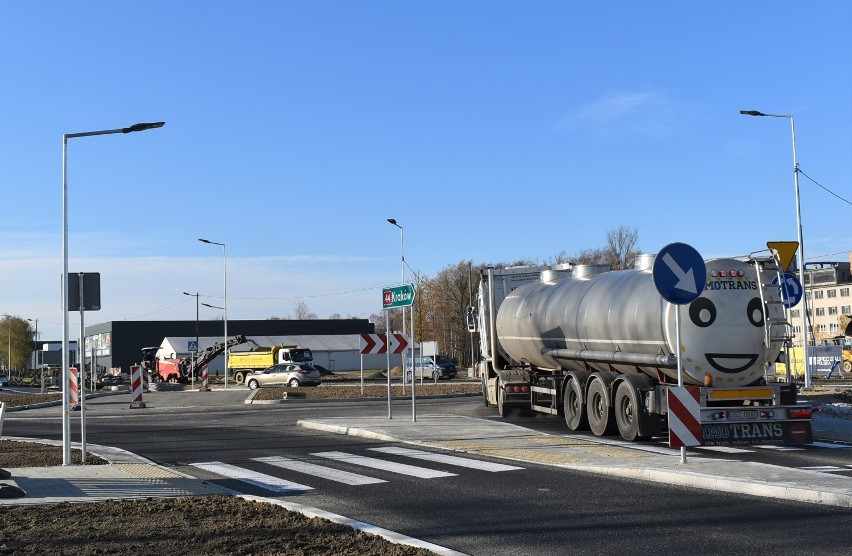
(599, 347)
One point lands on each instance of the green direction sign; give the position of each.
(397, 296)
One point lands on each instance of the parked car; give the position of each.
(287, 374)
(434, 366)
(109, 380)
(4, 381)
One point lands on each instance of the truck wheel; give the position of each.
(628, 409)
(253, 384)
(485, 392)
(601, 418)
(502, 410)
(847, 366)
(574, 406)
(294, 383)
(239, 376)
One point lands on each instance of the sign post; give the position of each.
(392, 297)
(679, 275)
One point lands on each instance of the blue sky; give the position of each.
(491, 130)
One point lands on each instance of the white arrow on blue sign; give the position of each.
(791, 290)
(679, 273)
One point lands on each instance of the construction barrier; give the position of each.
(204, 386)
(145, 387)
(2, 412)
(73, 389)
(684, 416)
(136, 388)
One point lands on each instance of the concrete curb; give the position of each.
(386, 534)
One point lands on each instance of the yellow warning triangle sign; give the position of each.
(783, 251)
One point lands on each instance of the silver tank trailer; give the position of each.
(618, 321)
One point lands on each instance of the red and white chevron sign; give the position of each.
(684, 416)
(378, 343)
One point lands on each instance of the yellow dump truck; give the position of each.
(243, 363)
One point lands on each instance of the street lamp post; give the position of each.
(801, 240)
(66, 416)
(195, 353)
(225, 308)
(401, 281)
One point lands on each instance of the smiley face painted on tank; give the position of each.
(731, 311)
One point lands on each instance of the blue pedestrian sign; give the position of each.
(679, 273)
(192, 346)
(791, 289)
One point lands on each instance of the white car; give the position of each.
(285, 374)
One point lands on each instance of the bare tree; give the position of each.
(622, 245)
(301, 311)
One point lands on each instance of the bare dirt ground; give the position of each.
(205, 525)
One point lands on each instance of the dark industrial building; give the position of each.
(119, 343)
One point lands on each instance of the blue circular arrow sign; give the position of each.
(679, 273)
(791, 289)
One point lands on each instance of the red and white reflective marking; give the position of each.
(684, 416)
(136, 388)
(73, 390)
(380, 343)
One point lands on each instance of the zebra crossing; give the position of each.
(280, 485)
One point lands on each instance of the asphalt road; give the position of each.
(534, 509)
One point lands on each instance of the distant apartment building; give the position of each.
(828, 293)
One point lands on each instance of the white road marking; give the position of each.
(447, 459)
(831, 445)
(252, 477)
(824, 468)
(725, 449)
(393, 467)
(779, 448)
(315, 470)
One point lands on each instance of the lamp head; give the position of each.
(143, 127)
(751, 113)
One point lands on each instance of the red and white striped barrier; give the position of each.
(204, 387)
(136, 387)
(145, 380)
(684, 416)
(73, 389)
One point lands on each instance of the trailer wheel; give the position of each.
(601, 418)
(502, 410)
(627, 411)
(574, 407)
(239, 376)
